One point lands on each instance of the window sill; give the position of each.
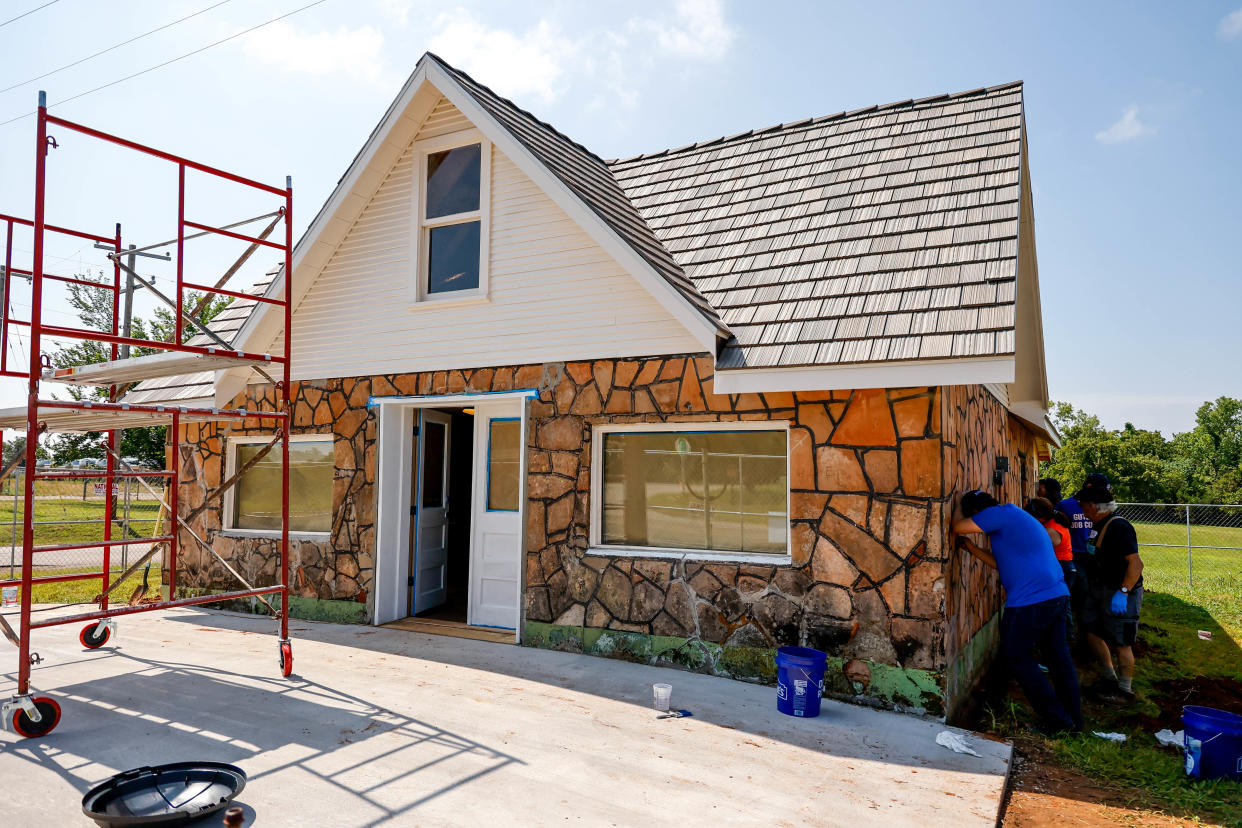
(270, 534)
(472, 298)
(767, 558)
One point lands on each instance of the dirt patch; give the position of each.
(1042, 793)
(1172, 695)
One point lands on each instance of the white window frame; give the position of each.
(230, 467)
(600, 549)
(420, 246)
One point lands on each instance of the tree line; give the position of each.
(1203, 465)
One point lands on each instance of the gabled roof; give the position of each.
(588, 177)
(883, 234)
(880, 237)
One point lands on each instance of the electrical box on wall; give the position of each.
(1002, 466)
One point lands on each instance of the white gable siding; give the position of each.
(444, 118)
(554, 293)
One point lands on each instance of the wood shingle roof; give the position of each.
(877, 235)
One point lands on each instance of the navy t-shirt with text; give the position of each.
(1080, 527)
(1024, 556)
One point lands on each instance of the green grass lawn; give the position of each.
(1215, 583)
(83, 592)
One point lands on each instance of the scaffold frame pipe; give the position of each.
(115, 468)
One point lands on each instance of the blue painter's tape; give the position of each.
(526, 392)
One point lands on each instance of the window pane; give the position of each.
(719, 490)
(256, 500)
(454, 258)
(504, 453)
(453, 181)
(433, 464)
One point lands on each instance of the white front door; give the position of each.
(496, 525)
(429, 511)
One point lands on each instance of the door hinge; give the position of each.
(415, 431)
(413, 511)
(411, 581)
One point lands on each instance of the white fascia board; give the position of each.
(1035, 414)
(881, 375)
(704, 332)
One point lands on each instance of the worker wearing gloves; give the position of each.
(1111, 614)
(1036, 600)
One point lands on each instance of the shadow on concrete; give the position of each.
(374, 760)
(842, 729)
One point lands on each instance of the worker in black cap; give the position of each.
(1115, 595)
(1081, 532)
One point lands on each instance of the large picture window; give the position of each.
(255, 501)
(711, 490)
(452, 218)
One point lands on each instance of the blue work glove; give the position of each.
(1119, 604)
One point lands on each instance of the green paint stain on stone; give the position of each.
(890, 685)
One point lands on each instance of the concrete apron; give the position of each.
(383, 726)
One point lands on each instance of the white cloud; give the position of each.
(697, 30)
(353, 52)
(1127, 128)
(1230, 25)
(530, 63)
(398, 11)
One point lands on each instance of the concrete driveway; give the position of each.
(386, 727)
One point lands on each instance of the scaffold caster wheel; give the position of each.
(92, 637)
(286, 659)
(49, 710)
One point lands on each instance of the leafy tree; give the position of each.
(17, 448)
(94, 308)
(1203, 465)
(1209, 457)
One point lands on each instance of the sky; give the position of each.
(1133, 113)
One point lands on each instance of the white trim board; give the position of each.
(881, 375)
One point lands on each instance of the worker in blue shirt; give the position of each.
(1036, 600)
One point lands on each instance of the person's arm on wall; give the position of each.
(975, 549)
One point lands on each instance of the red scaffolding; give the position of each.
(31, 715)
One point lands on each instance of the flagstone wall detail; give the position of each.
(870, 578)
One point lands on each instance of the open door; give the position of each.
(496, 548)
(429, 512)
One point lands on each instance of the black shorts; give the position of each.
(1117, 630)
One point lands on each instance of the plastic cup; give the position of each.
(663, 692)
(8, 596)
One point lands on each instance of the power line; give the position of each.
(169, 62)
(110, 48)
(32, 11)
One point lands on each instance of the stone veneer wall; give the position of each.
(868, 511)
(977, 430)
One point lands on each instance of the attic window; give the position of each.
(452, 224)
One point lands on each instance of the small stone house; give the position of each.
(682, 408)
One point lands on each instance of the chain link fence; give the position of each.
(1188, 546)
(70, 512)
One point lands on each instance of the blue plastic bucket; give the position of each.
(1213, 743)
(799, 681)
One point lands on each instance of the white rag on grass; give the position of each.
(1168, 738)
(1112, 737)
(954, 743)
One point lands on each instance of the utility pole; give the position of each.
(128, 311)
